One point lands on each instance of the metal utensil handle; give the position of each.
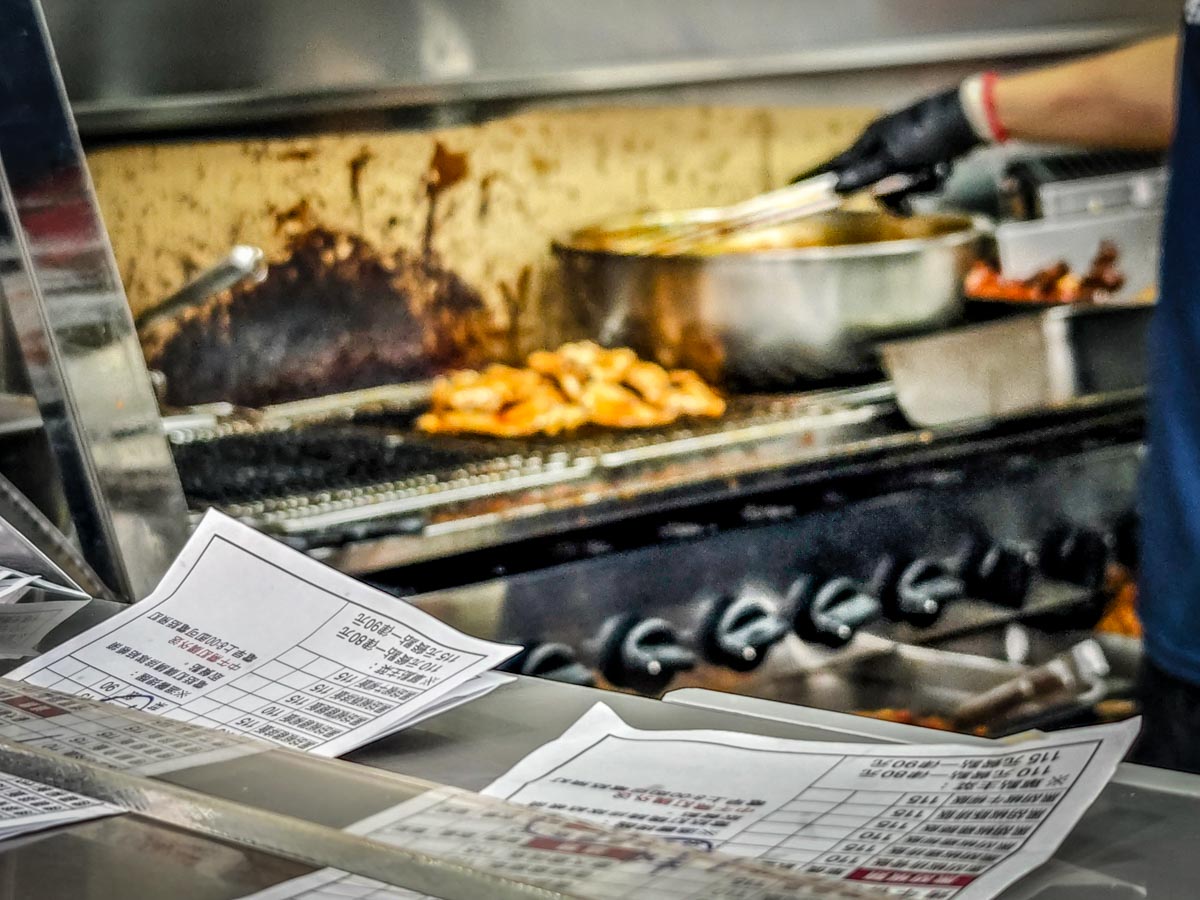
(805, 198)
(809, 197)
(244, 263)
(1083, 665)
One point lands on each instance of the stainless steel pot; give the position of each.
(800, 302)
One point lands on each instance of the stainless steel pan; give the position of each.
(777, 306)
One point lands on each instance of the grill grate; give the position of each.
(243, 468)
(1071, 166)
(1080, 183)
(376, 465)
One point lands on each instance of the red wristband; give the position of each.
(988, 85)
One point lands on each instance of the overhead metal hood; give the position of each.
(133, 65)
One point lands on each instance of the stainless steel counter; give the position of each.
(1138, 839)
(1134, 842)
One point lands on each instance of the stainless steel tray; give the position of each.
(1023, 365)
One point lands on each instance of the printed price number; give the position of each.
(358, 638)
(839, 859)
(922, 800)
(875, 836)
(372, 624)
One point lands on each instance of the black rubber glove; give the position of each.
(921, 140)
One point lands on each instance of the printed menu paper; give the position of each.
(251, 637)
(27, 806)
(479, 686)
(23, 625)
(20, 557)
(569, 858)
(14, 585)
(109, 734)
(940, 821)
(932, 822)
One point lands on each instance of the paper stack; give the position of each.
(14, 585)
(23, 567)
(27, 806)
(254, 638)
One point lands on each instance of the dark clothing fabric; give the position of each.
(1169, 594)
(1170, 737)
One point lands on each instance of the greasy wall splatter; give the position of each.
(485, 206)
(334, 315)
(446, 169)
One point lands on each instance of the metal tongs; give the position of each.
(809, 197)
(1079, 671)
(244, 263)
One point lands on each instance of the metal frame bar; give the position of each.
(130, 68)
(255, 105)
(258, 829)
(64, 295)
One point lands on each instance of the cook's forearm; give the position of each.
(1125, 98)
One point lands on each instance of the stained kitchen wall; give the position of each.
(506, 188)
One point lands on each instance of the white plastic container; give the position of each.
(1026, 247)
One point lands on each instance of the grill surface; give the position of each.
(370, 493)
(377, 464)
(262, 466)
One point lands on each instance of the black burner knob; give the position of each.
(552, 661)
(738, 631)
(642, 654)
(1126, 533)
(830, 612)
(915, 590)
(1076, 555)
(999, 573)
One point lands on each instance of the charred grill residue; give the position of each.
(334, 316)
